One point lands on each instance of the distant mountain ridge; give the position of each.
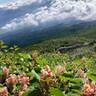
(22, 39)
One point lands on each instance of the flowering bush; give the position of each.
(11, 80)
(24, 81)
(3, 91)
(5, 71)
(89, 90)
(48, 74)
(60, 69)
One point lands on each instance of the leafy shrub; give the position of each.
(47, 74)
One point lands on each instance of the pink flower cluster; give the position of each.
(3, 91)
(89, 90)
(60, 69)
(24, 81)
(11, 80)
(5, 71)
(82, 73)
(46, 72)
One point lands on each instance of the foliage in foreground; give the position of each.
(48, 74)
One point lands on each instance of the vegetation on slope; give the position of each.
(46, 74)
(79, 37)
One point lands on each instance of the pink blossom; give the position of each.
(82, 73)
(46, 72)
(3, 91)
(21, 93)
(5, 71)
(89, 90)
(24, 87)
(23, 79)
(12, 80)
(60, 69)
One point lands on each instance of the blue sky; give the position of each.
(5, 1)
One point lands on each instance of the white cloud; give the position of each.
(58, 11)
(20, 3)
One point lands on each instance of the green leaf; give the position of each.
(69, 74)
(55, 92)
(25, 55)
(35, 75)
(75, 91)
(91, 76)
(72, 94)
(1, 73)
(76, 80)
(41, 61)
(27, 93)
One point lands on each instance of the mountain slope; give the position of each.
(82, 36)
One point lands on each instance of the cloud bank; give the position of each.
(48, 13)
